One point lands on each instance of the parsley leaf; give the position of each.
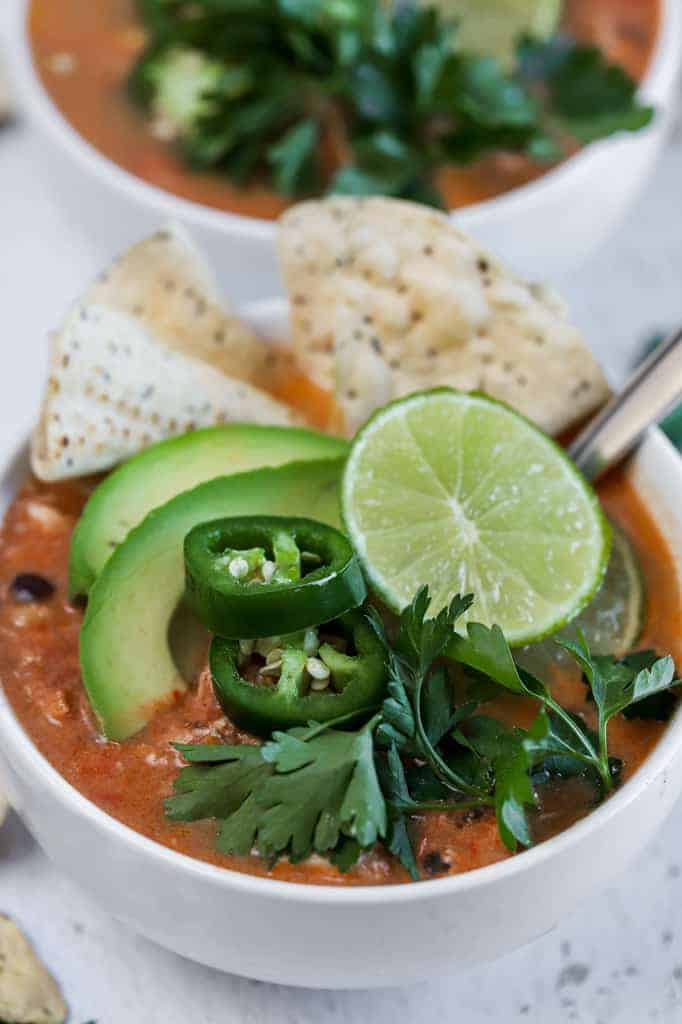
(510, 760)
(616, 685)
(323, 788)
(218, 783)
(361, 96)
(416, 713)
(658, 706)
(294, 159)
(486, 650)
(305, 790)
(551, 743)
(346, 854)
(399, 803)
(594, 98)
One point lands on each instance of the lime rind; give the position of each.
(418, 470)
(612, 622)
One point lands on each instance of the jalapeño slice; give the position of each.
(253, 576)
(256, 699)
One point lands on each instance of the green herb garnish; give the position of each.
(322, 789)
(360, 97)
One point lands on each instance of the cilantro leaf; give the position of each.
(510, 760)
(346, 854)
(595, 98)
(551, 747)
(306, 790)
(551, 743)
(486, 650)
(420, 639)
(616, 684)
(216, 790)
(293, 159)
(274, 82)
(322, 788)
(513, 790)
(658, 706)
(437, 710)
(407, 714)
(237, 833)
(336, 793)
(399, 802)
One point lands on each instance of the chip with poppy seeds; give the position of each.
(148, 352)
(165, 283)
(113, 390)
(28, 992)
(389, 297)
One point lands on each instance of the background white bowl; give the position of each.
(324, 937)
(542, 229)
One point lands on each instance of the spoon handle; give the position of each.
(650, 393)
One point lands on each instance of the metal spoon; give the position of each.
(652, 391)
(6, 103)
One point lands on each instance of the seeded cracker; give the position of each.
(388, 297)
(28, 992)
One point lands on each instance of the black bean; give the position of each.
(29, 586)
(434, 864)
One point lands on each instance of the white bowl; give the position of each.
(326, 937)
(541, 229)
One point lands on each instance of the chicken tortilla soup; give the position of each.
(407, 649)
(222, 109)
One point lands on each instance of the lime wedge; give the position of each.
(612, 621)
(493, 28)
(459, 492)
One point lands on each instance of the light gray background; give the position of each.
(617, 960)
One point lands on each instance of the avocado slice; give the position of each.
(126, 661)
(156, 475)
(493, 28)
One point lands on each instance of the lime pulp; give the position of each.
(459, 492)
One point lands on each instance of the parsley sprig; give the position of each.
(326, 790)
(361, 96)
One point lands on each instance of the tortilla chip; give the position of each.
(167, 285)
(388, 297)
(28, 992)
(113, 390)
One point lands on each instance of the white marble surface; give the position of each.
(617, 960)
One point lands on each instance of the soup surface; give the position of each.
(83, 50)
(39, 669)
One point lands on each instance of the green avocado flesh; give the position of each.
(126, 661)
(155, 476)
(493, 28)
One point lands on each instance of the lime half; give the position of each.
(459, 492)
(612, 621)
(493, 28)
